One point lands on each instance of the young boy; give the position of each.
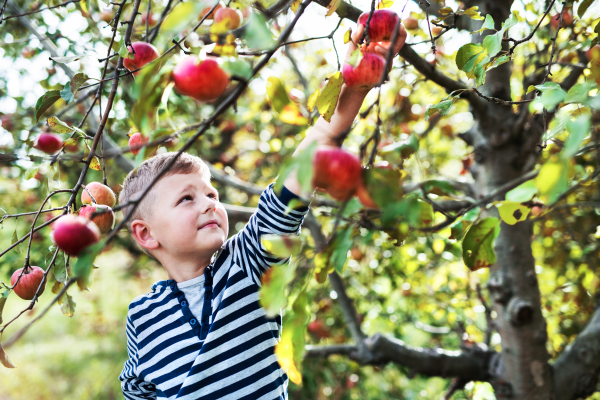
(202, 334)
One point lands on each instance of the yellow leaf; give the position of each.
(284, 351)
(385, 4)
(220, 27)
(348, 36)
(295, 5)
(549, 176)
(512, 212)
(287, 111)
(333, 5)
(445, 11)
(70, 142)
(312, 100)
(328, 99)
(473, 13)
(95, 164)
(83, 6)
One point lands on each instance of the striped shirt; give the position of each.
(224, 349)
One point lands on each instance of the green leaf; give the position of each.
(439, 187)
(442, 107)
(45, 102)
(77, 81)
(83, 266)
(493, 43)
(179, 17)
(30, 173)
(523, 192)
(124, 51)
(341, 244)
(487, 24)
(282, 246)
(273, 283)
(257, 35)
(238, 68)
(510, 22)
(59, 269)
(512, 212)
(383, 185)
(3, 296)
(328, 98)
(579, 93)
(552, 94)
(585, 4)
(467, 53)
(478, 244)
(66, 94)
(302, 163)
(58, 126)
(67, 304)
(578, 129)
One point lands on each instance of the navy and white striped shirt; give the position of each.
(225, 349)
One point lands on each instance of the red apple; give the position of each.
(49, 143)
(104, 221)
(205, 11)
(367, 74)
(410, 23)
(436, 30)
(381, 26)
(229, 15)
(337, 171)
(101, 193)
(319, 329)
(29, 282)
(202, 80)
(144, 53)
(136, 141)
(567, 19)
(151, 20)
(72, 234)
(6, 122)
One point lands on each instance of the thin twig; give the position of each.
(33, 12)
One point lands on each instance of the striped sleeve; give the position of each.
(133, 387)
(269, 218)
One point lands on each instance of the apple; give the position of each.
(593, 53)
(6, 122)
(227, 126)
(567, 19)
(29, 282)
(381, 26)
(151, 20)
(206, 10)
(411, 23)
(436, 30)
(357, 254)
(337, 171)
(104, 221)
(72, 234)
(49, 143)
(202, 80)
(107, 16)
(136, 141)
(144, 53)
(319, 329)
(367, 74)
(102, 194)
(230, 16)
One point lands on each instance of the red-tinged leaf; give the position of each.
(4, 360)
(45, 102)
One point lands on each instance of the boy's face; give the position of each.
(183, 206)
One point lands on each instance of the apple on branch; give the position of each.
(206, 10)
(202, 80)
(104, 220)
(49, 143)
(72, 234)
(101, 193)
(143, 54)
(337, 171)
(381, 25)
(28, 285)
(229, 17)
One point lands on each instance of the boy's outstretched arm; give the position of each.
(349, 103)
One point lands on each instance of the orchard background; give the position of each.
(478, 276)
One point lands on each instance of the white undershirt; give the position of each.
(193, 289)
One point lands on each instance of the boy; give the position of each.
(202, 334)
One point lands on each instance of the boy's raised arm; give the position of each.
(349, 103)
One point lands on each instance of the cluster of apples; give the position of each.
(371, 67)
(339, 172)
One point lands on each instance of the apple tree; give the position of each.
(452, 248)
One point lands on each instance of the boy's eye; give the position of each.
(213, 195)
(185, 197)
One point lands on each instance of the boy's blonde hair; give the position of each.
(138, 179)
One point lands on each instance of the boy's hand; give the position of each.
(380, 48)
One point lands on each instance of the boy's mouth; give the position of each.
(210, 224)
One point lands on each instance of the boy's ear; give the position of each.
(142, 234)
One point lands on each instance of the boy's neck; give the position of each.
(182, 271)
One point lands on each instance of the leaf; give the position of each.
(77, 81)
(442, 107)
(439, 187)
(493, 43)
(552, 179)
(478, 244)
(585, 4)
(530, 89)
(58, 126)
(179, 17)
(445, 11)
(282, 246)
(332, 7)
(384, 186)
(348, 36)
(287, 110)
(4, 360)
(273, 283)
(487, 24)
(69, 59)
(578, 129)
(302, 164)
(95, 164)
(328, 99)
(124, 51)
(67, 304)
(552, 94)
(340, 246)
(384, 4)
(312, 100)
(523, 192)
(15, 239)
(257, 35)
(59, 269)
(295, 5)
(83, 266)
(45, 102)
(30, 173)
(284, 351)
(472, 13)
(466, 53)
(238, 68)
(3, 297)
(512, 212)
(579, 93)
